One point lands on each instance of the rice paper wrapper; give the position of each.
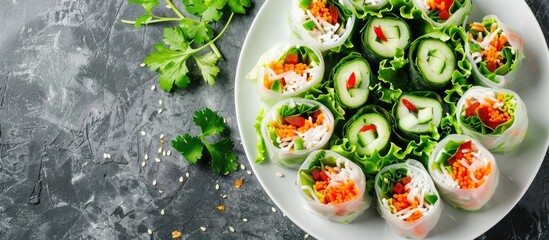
(297, 17)
(421, 227)
(274, 54)
(344, 212)
(502, 143)
(457, 18)
(468, 199)
(294, 159)
(501, 81)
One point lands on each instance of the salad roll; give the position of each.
(495, 52)
(433, 60)
(333, 187)
(286, 70)
(369, 130)
(418, 113)
(464, 171)
(442, 13)
(325, 24)
(407, 199)
(383, 37)
(351, 78)
(295, 127)
(495, 117)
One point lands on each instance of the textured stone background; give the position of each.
(71, 89)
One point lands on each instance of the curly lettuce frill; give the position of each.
(417, 10)
(363, 10)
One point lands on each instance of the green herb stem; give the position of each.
(175, 9)
(158, 20)
(216, 38)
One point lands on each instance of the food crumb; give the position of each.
(221, 207)
(306, 236)
(231, 229)
(176, 234)
(203, 229)
(279, 174)
(273, 209)
(238, 182)
(161, 141)
(149, 231)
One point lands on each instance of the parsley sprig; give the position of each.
(223, 158)
(187, 40)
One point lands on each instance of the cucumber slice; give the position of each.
(309, 25)
(429, 111)
(365, 145)
(394, 29)
(358, 95)
(436, 62)
(304, 4)
(425, 115)
(298, 143)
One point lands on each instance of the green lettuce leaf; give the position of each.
(260, 145)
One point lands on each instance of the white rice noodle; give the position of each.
(419, 186)
(342, 212)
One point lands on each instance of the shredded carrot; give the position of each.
(220, 208)
(341, 193)
(492, 56)
(176, 234)
(285, 131)
(280, 67)
(320, 9)
(462, 175)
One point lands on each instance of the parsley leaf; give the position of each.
(190, 147)
(209, 10)
(237, 6)
(148, 5)
(209, 122)
(223, 158)
(200, 32)
(171, 64)
(208, 66)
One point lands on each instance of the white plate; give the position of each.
(518, 169)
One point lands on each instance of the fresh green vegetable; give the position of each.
(186, 40)
(418, 113)
(383, 37)
(223, 158)
(351, 79)
(388, 179)
(260, 145)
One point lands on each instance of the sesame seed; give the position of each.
(143, 164)
(245, 220)
(157, 159)
(224, 120)
(161, 141)
(164, 153)
(306, 236)
(153, 87)
(142, 64)
(284, 214)
(279, 174)
(143, 133)
(154, 182)
(181, 179)
(168, 6)
(231, 229)
(108, 155)
(149, 231)
(162, 212)
(187, 175)
(160, 191)
(203, 229)
(161, 136)
(159, 101)
(146, 156)
(105, 155)
(224, 196)
(160, 150)
(216, 186)
(249, 172)
(273, 209)
(160, 110)
(169, 153)
(242, 167)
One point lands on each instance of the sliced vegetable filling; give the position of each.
(370, 133)
(463, 165)
(329, 180)
(440, 8)
(298, 127)
(489, 112)
(418, 113)
(292, 72)
(490, 48)
(406, 194)
(351, 79)
(436, 61)
(323, 20)
(383, 36)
